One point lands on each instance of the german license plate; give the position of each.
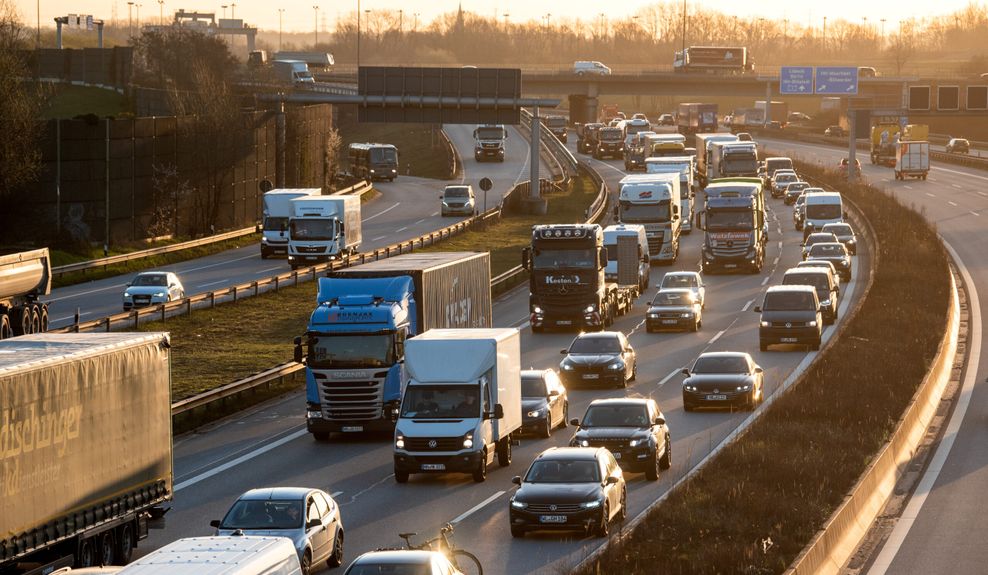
(716, 397)
(564, 322)
(433, 467)
(552, 518)
(730, 265)
(352, 428)
(669, 321)
(591, 376)
(789, 340)
(307, 258)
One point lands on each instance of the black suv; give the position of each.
(790, 314)
(603, 357)
(633, 429)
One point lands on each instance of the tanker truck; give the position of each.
(24, 277)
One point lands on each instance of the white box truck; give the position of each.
(277, 212)
(683, 165)
(227, 555)
(912, 160)
(462, 403)
(323, 228)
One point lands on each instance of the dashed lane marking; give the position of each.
(765, 281)
(747, 305)
(666, 379)
(477, 507)
(716, 337)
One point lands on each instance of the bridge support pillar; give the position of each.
(592, 108)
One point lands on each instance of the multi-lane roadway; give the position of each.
(269, 445)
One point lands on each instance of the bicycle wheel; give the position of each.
(466, 562)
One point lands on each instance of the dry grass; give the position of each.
(790, 471)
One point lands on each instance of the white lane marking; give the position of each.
(666, 379)
(958, 186)
(931, 195)
(775, 262)
(965, 174)
(420, 221)
(747, 305)
(271, 270)
(983, 194)
(477, 507)
(952, 203)
(71, 317)
(92, 291)
(975, 214)
(908, 187)
(765, 281)
(378, 238)
(780, 245)
(401, 229)
(213, 283)
(915, 505)
(434, 214)
(382, 212)
(245, 457)
(716, 337)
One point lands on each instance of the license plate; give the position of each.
(591, 376)
(311, 258)
(564, 322)
(669, 321)
(730, 265)
(552, 518)
(789, 340)
(433, 467)
(716, 397)
(616, 454)
(352, 428)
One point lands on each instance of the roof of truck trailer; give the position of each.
(26, 351)
(410, 262)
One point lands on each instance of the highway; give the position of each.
(269, 446)
(943, 527)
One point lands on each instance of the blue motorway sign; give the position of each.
(796, 80)
(836, 80)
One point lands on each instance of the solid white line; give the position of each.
(336, 494)
(72, 317)
(952, 203)
(382, 212)
(212, 283)
(929, 479)
(245, 457)
(434, 214)
(747, 305)
(82, 293)
(765, 281)
(477, 507)
(931, 195)
(271, 270)
(716, 337)
(666, 379)
(222, 263)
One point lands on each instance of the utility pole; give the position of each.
(281, 14)
(358, 35)
(130, 19)
(401, 21)
(684, 28)
(37, 41)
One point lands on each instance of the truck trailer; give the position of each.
(714, 59)
(85, 447)
(323, 228)
(24, 277)
(912, 160)
(354, 343)
(322, 60)
(277, 212)
(695, 117)
(704, 147)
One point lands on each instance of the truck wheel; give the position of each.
(538, 329)
(479, 474)
(125, 544)
(504, 451)
(5, 331)
(264, 255)
(107, 549)
(21, 320)
(35, 319)
(815, 346)
(401, 476)
(85, 555)
(44, 317)
(762, 346)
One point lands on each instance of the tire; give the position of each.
(35, 319)
(603, 528)
(565, 422)
(479, 474)
(44, 317)
(815, 346)
(695, 327)
(688, 408)
(504, 451)
(306, 562)
(336, 559)
(517, 532)
(547, 428)
(634, 372)
(466, 562)
(21, 323)
(320, 436)
(538, 329)
(86, 554)
(762, 346)
(5, 331)
(652, 471)
(125, 544)
(623, 514)
(665, 462)
(107, 550)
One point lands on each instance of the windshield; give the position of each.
(595, 345)
(796, 187)
(679, 281)
(150, 280)
(785, 178)
(663, 151)
(556, 122)
(823, 211)
(819, 281)
(390, 569)
(741, 165)
(788, 301)
(441, 401)
(722, 220)
(533, 387)
(384, 156)
(264, 514)
(721, 364)
(772, 165)
(348, 351)
(562, 471)
(312, 230)
(457, 193)
(276, 223)
(615, 416)
(827, 250)
(645, 213)
(673, 298)
(490, 133)
(556, 259)
(838, 229)
(611, 135)
(633, 129)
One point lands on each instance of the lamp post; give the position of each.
(161, 12)
(505, 16)
(224, 7)
(684, 30)
(233, 10)
(138, 6)
(415, 26)
(367, 15)
(130, 19)
(358, 35)
(316, 22)
(824, 33)
(37, 40)
(401, 19)
(281, 14)
(882, 40)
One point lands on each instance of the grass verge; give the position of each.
(756, 505)
(213, 347)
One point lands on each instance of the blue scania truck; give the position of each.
(354, 344)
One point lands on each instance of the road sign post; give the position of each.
(796, 80)
(486, 184)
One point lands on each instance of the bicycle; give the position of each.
(461, 559)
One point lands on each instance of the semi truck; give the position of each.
(277, 212)
(714, 59)
(734, 225)
(682, 165)
(567, 283)
(293, 72)
(24, 277)
(733, 159)
(744, 118)
(323, 228)
(653, 200)
(322, 60)
(704, 147)
(353, 346)
(884, 140)
(85, 447)
(462, 405)
(775, 111)
(556, 126)
(694, 118)
(489, 142)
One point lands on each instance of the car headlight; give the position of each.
(686, 315)
(616, 365)
(400, 442)
(468, 441)
(811, 323)
(689, 387)
(765, 324)
(393, 170)
(372, 171)
(127, 294)
(825, 302)
(518, 504)
(744, 387)
(567, 367)
(159, 294)
(536, 413)
(590, 504)
(638, 441)
(590, 308)
(653, 316)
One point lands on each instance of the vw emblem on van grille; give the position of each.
(553, 507)
(433, 444)
(788, 324)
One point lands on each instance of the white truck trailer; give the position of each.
(323, 228)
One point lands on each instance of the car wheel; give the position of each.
(538, 329)
(547, 426)
(623, 514)
(603, 527)
(687, 407)
(480, 474)
(565, 422)
(815, 346)
(336, 559)
(695, 326)
(306, 563)
(518, 532)
(652, 471)
(665, 462)
(320, 435)
(401, 476)
(634, 372)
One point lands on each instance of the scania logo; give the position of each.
(433, 443)
(553, 507)
(788, 324)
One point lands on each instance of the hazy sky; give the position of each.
(300, 16)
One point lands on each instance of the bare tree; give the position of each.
(901, 49)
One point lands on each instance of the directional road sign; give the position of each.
(836, 80)
(796, 80)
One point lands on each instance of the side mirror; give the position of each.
(757, 309)
(575, 422)
(440, 196)
(602, 257)
(516, 479)
(554, 393)
(313, 523)
(298, 357)
(611, 480)
(659, 420)
(844, 214)
(128, 284)
(215, 523)
(685, 371)
(498, 411)
(758, 369)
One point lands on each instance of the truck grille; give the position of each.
(490, 146)
(310, 249)
(655, 243)
(737, 250)
(788, 324)
(351, 400)
(441, 443)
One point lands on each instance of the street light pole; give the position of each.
(824, 34)
(233, 10)
(130, 19)
(358, 35)
(37, 40)
(224, 7)
(161, 12)
(684, 28)
(401, 21)
(882, 41)
(316, 10)
(281, 14)
(138, 16)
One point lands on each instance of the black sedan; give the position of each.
(674, 308)
(793, 190)
(835, 253)
(544, 402)
(603, 357)
(633, 429)
(569, 488)
(845, 235)
(722, 379)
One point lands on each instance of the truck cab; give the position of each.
(653, 200)
(556, 126)
(733, 159)
(277, 212)
(489, 142)
(323, 228)
(734, 225)
(683, 165)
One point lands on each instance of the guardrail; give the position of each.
(456, 165)
(359, 188)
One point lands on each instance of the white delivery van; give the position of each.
(277, 211)
(232, 555)
(462, 402)
(653, 200)
(611, 235)
(322, 228)
(821, 208)
(582, 67)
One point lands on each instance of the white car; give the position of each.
(690, 280)
(150, 288)
(582, 67)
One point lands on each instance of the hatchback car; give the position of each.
(544, 401)
(835, 253)
(150, 288)
(402, 562)
(686, 279)
(793, 190)
(458, 200)
(780, 181)
(790, 314)
(845, 235)
(633, 429)
(816, 238)
(958, 146)
(722, 379)
(309, 517)
(569, 488)
(601, 357)
(825, 283)
(674, 308)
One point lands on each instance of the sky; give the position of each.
(300, 16)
